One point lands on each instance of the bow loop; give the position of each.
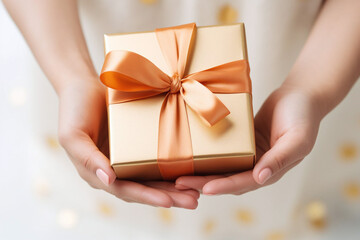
(120, 73)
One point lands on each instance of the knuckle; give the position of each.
(280, 161)
(86, 161)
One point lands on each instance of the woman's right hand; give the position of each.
(60, 49)
(83, 134)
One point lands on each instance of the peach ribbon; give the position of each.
(135, 77)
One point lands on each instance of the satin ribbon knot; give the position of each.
(132, 77)
(175, 85)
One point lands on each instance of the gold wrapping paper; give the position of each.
(228, 146)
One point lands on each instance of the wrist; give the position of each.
(75, 85)
(316, 98)
(75, 68)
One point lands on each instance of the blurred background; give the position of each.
(42, 196)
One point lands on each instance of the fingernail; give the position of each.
(102, 176)
(264, 175)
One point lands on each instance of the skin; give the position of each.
(286, 125)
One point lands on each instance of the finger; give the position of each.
(183, 199)
(84, 152)
(136, 192)
(235, 184)
(241, 183)
(194, 182)
(286, 150)
(169, 186)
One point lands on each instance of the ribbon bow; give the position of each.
(135, 77)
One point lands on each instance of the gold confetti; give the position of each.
(352, 191)
(105, 209)
(316, 214)
(41, 187)
(52, 142)
(209, 226)
(17, 96)
(165, 215)
(67, 218)
(348, 152)
(227, 15)
(148, 2)
(244, 216)
(275, 235)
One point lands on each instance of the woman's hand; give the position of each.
(287, 124)
(84, 135)
(286, 127)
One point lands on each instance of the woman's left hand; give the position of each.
(286, 127)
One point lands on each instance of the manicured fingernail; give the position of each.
(264, 175)
(102, 176)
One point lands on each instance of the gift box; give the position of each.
(179, 102)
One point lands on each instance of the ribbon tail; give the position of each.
(175, 156)
(203, 102)
(231, 77)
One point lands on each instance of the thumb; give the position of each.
(288, 149)
(87, 157)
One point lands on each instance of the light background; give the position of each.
(42, 197)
